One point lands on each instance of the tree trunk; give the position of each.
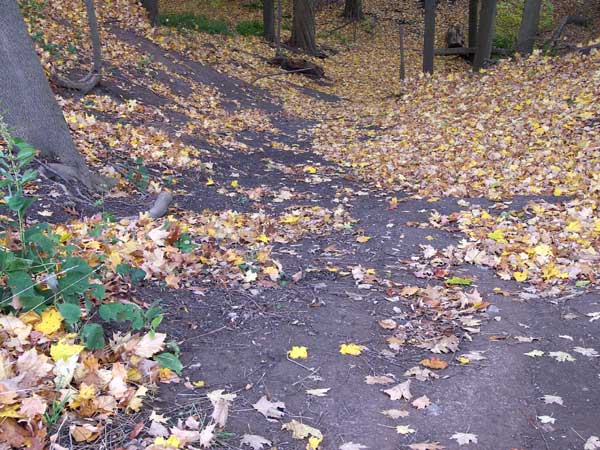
(152, 9)
(269, 20)
(303, 26)
(529, 26)
(485, 33)
(473, 11)
(429, 41)
(353, 9)
(25, 94)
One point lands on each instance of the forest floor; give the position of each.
(304, 244)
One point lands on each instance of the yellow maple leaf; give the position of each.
(11, 411)
(199, 383)
(498, 236)
(210, 182)
(542, 250)
(263, 238)
(520, 276)
(463, 360)
(61, 351)
(172, 442)
(363, 239)
(310, 169)
(574, 227)
(50, 322)
(235, 184)
(351, 349)
(298, 352)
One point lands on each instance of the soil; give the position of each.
(237, 339)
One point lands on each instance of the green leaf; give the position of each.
(582, 283)
(169, 361)
(70, 312)
(18, 202)
(459, 281)
(26, 152)
(120, 312)
(92, 336)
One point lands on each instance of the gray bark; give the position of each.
(269, 20)
(25, 94)
(485, 33)
(353, 9)
(152, 9)
(473, 11)
(429, 40)
(303, 26)
(529, 26)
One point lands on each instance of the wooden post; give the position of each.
(529, 26)
(402, 67)
(485, 33)
(429, 41)
(473, 11)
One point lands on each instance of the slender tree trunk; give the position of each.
(25, 94)
(529, 26)
(353, 9)
(473, 11)
(152, 9)
(303, 26)
(269, 20)
(429, 41)
(485, 33)
(402, 66)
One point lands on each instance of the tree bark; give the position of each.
(485, 33)
(353, 9)
(529, 26)
(429, 41)
(30, 105)
(303, 26)
(473, 11)
(269, 20)
(88, 82)
(152, 9)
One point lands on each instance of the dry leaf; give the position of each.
(426, 446)
(381, 379)
(395, 413)
(434, 363)
(404, 429)
(318, 392)
(400, 391)
(464, 438)
(301, 431)
(271, 410)
(352, 446)
(255, 441)
(421, 402)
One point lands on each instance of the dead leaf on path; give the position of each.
(561, 356)
(474, 356)
(404, 429)
(85, 433)
(464, 438)
(589, 352)
(549, 399)
(388, 324)
(535, 353)
(421, 402)
(593, 443)
(434, 363)
(546, 419)
(380, 379)
(220, 402)
(150, 344)
(301, 431)
(525, 339)
(255, 441)
(427, 446)
(207, 436)
(271, 410)
(445, 344)
(318, 392)
(352, 446)
(420, 373)
(351, 349)
(395, 413)
(400, 391)
(298, 352)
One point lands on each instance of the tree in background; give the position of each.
(529, 26)
(31, 108)
(269, 20)
(303, 26)
(485, 33)
(353, 9)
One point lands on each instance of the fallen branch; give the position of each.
(567, 20)
(466, 51)
(584, 50)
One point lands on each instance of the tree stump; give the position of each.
(455, 36)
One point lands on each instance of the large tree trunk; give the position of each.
(25, 94)
(269, 20)
(529, 26)
(353, 9)
(473, 11)
(429, 40)
(303, 27)
(152, 9)
(485, 33)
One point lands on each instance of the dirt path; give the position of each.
(237, 339)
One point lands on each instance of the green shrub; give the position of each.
(192, 22)
(250, 28)
(508, 21)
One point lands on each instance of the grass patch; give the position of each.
(250, 28)
(192, 22)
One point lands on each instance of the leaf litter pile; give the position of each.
(525, 127)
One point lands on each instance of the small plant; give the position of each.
(192, 22)
(55, 411)
(138, 175)
(250, 28)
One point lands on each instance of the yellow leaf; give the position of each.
(234, 184)
(210, 182)
(463, 360)
(520, 276)
(263, 238)
(498, 236)
(298, 352)
(310, 169)
(11, 411)
(51, 321)
(115, 259)
(313, 443)
(363, 239)
(172, 442)
(574, 227)
(543, 250)
(199, 383)
(62, 352)
(351, 349)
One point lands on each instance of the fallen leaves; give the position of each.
(434, 363)
(271, 410)
(400, 391)
(298, 352)
(351, 349)
(254, 441)
(395, 413)
(464, 438)
(421, 402)
(381, 379)
(550, 399)
(561, 356)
